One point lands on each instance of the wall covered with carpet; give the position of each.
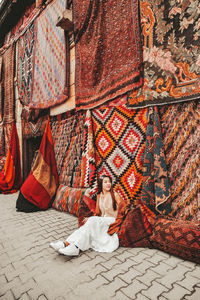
(135, 117)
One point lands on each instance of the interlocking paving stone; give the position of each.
(148, 277)
(26, 297)
(120, 296)
(155, 258)
(154, 291)
(19, 290)
(195, 294)
(130, 275)
(189, 282)
(161, 268)
(178, 292)
(8, 296)
(196, 272)
(177, 274)
(172, 261)
(30, 269)
(141, 297)
(132, 289)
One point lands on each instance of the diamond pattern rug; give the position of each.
(119, 138)
(51, 49)
(25, 50)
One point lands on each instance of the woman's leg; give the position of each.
(82, 237)
(79, 237)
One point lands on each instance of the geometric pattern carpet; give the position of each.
(50, 73)
(119, 139)
(181, 136)
(25, 51)
(67, 132)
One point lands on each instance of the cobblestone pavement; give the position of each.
(30, 269)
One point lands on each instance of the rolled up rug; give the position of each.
(38, 190)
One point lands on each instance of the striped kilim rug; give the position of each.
(119, 137)
(67, 132)
(25, 51)
(50, 76)
(181, 134)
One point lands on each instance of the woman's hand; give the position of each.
(85, 220)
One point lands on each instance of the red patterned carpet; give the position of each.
(119, 137)
(181, 134)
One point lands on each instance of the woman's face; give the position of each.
(106, 184)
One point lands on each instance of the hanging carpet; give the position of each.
(181, 136)
(108, 50)
(67, 132)
(33, 122)
(170, 32)
(155, 192)
(2, 140)
(1, 88)
(24, 21)
(2, 147)
(8, 84)
(51, 70)
(25, 51)
(10, 176)
(40, 186)
(7, 136)
(119, 137)
(88, 163)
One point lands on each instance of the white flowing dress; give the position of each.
(93, 234)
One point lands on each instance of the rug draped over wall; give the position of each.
(108, 50)
(1, 88)
(51, 70)
(10, 176)
(88, 162)
(67, 132)
(40, 186)
(30, 12)
(25, 50)
(7, 135)
(170, 31)
(34, 122)
(119, 137)
(2, 140)
(181, 137)
(8, 84)
(2, 147)
(155, 192)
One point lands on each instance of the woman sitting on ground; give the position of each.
(93, 234)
